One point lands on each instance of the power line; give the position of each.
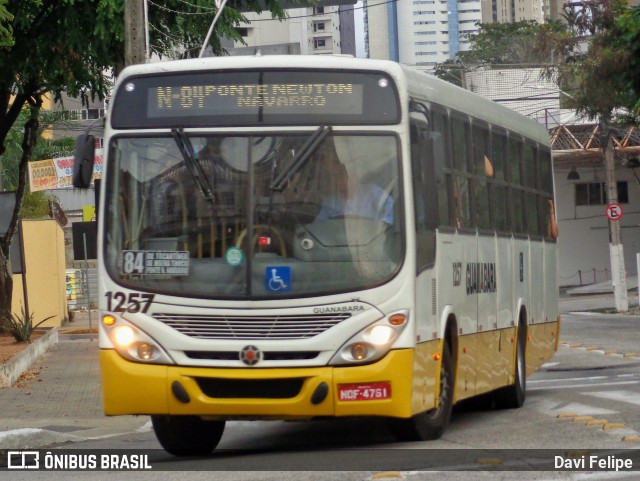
(212, 10)
(167, 9)
(344, 10)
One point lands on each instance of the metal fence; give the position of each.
(82, 288)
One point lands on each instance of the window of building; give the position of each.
(318, 27)
(595, 193)
(320, 43)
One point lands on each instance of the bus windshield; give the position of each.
(253, 215)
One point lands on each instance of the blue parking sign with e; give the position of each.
(277, 279)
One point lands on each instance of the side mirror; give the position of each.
(83, 159)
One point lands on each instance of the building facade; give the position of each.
(583, 224)
(425, 33)
(321, 30)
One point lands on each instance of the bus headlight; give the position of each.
(373, 342)
(123, 335)
(381, 335)
(132, 343)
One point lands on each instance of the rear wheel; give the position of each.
(431, 424)
(187, 435)
(513, 396)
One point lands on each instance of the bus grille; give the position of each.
(255, 327)
(250, 388)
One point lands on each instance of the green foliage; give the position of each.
(6, 32)
(523, 43)
(21, 327)
(450, 71)
(593, 62)
(35, 205)
(628, 40)
(73, 46)
(508, 43)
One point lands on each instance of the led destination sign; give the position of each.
(243, 98)
(335, 98)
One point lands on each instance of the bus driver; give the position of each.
(351, 194)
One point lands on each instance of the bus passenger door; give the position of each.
(425, 217)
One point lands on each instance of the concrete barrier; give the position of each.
(14, 367)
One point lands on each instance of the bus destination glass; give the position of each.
(247, 98)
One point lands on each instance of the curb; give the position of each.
(13, 369)
(30, 438)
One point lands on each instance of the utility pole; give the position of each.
(618, 272)
(134, 33)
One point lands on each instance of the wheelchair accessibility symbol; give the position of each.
(278, 279)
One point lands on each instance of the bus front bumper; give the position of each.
(379, 389)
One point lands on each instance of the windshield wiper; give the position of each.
(305, 152)
(193, 165)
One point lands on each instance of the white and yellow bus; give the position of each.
(299, 237)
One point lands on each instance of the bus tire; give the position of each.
(431, 424)
(513, 396)
(187, 435)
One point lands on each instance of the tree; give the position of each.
(6, 33)
(506, 44)
(626, 40)
(591, 61)
(596, 64)
(509, 44)
(74, 46)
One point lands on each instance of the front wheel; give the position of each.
(187, 435)
(431, 424)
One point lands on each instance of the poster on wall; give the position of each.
(57, 173)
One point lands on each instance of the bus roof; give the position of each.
(419, 84)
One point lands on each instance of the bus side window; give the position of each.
(483, 172)
(460, 137)
(501, 204)
(534, 219)
(516, 190)
(460, 180)
(547, 208)
(424, 193)
(441, 160)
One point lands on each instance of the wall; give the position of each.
(378, 31)
(584, 230)
(44, 252)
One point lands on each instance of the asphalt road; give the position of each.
(584, 401)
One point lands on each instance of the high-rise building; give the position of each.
(428, 32)
(307, 31)
(556, 7)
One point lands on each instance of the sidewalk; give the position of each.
(597, 297)
(62, 402)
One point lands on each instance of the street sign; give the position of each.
(614, 212)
